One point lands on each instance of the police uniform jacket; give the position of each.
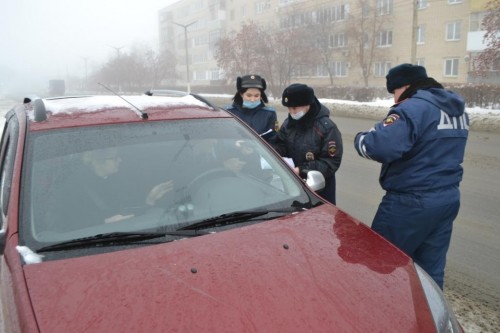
(261, 119)
(313, 142)
(420, 143)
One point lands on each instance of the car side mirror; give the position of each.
(315, 180)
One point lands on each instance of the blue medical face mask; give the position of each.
(298, 115)
(251, 105)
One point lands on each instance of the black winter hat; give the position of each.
(297, 94)
(250, 81)
(404, 74)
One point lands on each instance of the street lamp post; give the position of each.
(185, 26)
(86, 73)
(414, 30)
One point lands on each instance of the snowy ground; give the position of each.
(480, 119)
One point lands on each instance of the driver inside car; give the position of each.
(94, 194)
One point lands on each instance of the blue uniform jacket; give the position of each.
(420, 143)
(262, 119)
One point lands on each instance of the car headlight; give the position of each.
(444, 317)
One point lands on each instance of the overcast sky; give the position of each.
(51, 38)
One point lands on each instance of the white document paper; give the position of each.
(289, 161)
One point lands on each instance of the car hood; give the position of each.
(315, 271)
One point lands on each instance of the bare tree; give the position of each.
(239, 53)
(489, 59)
(288, 51)
(159, 67)
(365, 25)
(276, 55)
(321, 34)
(123, 73)
(137, 71)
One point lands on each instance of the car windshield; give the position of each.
(81, 182)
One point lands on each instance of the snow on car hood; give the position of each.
(315, 271)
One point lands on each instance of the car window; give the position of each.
(136, 177)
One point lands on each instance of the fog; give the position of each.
(55, 39)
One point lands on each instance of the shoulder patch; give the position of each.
(332, 148)
(390, 119)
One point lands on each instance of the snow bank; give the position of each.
(480, 119)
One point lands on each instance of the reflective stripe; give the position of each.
(362, 148)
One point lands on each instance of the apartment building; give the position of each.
(443, 35)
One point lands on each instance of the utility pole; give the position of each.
(414, 30)
(187, 55)
(85, 59)
(117, 49)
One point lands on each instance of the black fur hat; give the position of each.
(404, 74)
(298, 94)
(250, 81)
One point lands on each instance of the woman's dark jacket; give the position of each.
(261, 119)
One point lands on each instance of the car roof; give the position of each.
(75, 111)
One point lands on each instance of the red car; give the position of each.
(165, 214)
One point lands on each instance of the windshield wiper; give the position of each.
(235, 217)
(117, 237)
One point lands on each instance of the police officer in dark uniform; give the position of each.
(249, 105)
(421, 146)
(309, 137)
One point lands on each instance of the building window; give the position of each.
(453, 31)
(321, 71)
(384, 38)
(380, 69)
(215, 75)
(340, 12)
(330, 14)
(199, 58)
(451, 67)
(340, 68)
(422, 4)
(476, 21)
(452, 2)
(421, 62)
(421, 34)
(261, 6)
(338, 40)
(365, 10)
(384, 7)
(199, 75)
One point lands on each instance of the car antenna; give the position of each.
(143, 114)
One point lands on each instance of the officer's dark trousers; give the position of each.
(420, 224)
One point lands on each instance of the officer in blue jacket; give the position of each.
(249, 105)
(421, 146)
